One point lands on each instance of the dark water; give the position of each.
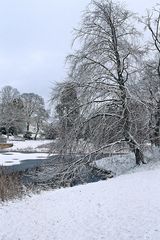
(27, 168)
(44, 170)
(30, 164)
(26, 165)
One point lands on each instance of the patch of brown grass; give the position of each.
(11, 186)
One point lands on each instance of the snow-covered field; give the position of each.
(29, 146)
(123, 208)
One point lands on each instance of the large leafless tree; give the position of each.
(102, 68)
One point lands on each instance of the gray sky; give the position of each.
(35, 37)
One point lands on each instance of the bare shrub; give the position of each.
(10, 185)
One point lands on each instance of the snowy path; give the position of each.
(124, 208)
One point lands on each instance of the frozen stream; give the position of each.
(14, 161)
(41, 168)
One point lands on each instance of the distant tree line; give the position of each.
(20, 112)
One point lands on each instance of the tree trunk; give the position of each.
(28, 125)
(139, 156)
(157, 127)
(37, 131)
(157, 134)
(127, 124)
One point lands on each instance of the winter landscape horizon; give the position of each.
(79, 120)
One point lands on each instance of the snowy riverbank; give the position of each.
(30, 146)
(126, 207)
(123, 208)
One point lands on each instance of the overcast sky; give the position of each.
(35, 37)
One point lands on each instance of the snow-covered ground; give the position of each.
(121, 164)
(29, 146)
(117, 164)
(123, 208)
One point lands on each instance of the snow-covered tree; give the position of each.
(102, 68)
(66, 102)
(11, 110)
(34, 110)
(151, 74)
